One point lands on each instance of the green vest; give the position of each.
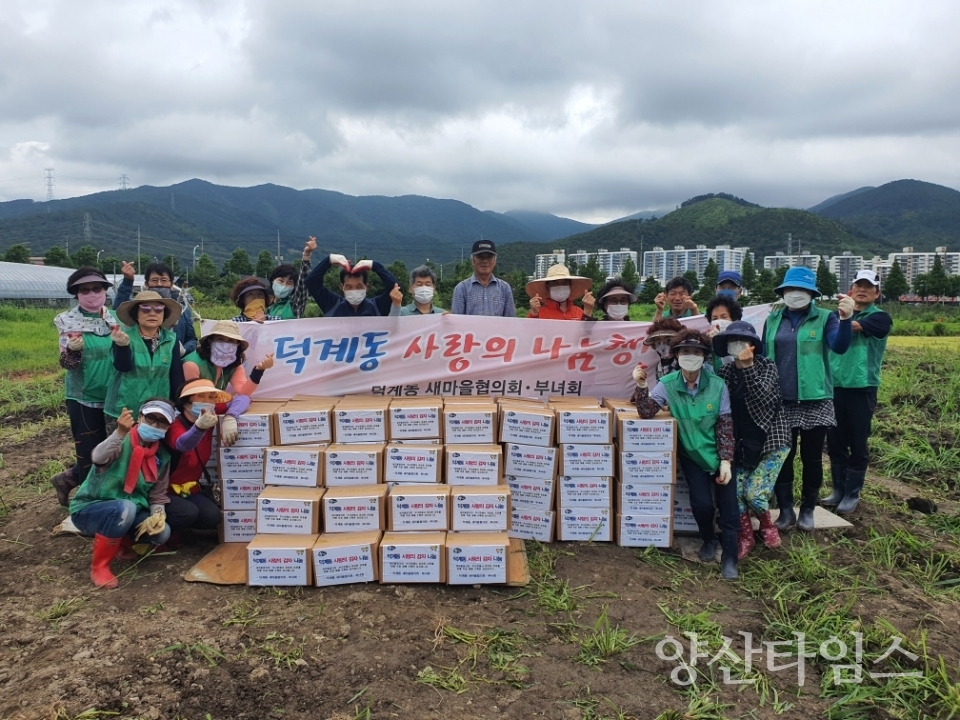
(696, 416)
(283, 310)
(108, 484)
(89, 382)
(150, 376)
(813, 354)
(208, 371)
(859, 367)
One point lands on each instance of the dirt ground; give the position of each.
(356, 651)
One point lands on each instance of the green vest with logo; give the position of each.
(208, 371)
(108, 484)
(859, 367)
(813, 362)
(89, 382)
(696, 416)
(283, 310)
(150, 376)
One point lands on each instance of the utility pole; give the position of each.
(279, 259)
(50, 180)
(201, 244)
(173, 205)
(138, 249)
(99, 253)
(195, 256)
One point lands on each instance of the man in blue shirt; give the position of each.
(482, 293)
(353, 283)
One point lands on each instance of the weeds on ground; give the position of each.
(61, 609)
(498, 652)
(596, 707)
(604, 641)
(284, 649)
(210, 654)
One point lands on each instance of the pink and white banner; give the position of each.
(453, 355)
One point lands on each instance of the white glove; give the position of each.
(75, 343)
(154, 524)
(228, 431)
(339, 260)
(725, 473)
(363, 266)
(846, 307)
(206, 420)
(640, 376)
(119, 337)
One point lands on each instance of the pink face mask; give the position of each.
(91, 302)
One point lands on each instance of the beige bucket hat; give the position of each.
(578, 285)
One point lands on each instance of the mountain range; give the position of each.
(175, 219)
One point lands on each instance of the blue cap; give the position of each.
(802, 278)
(730, 276)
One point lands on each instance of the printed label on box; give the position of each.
(468, 427)
(242, 463)
(642, 435)
(412, 463)
(343, 565)
(645, 499)
(418, 512)
(278, 515)
(528, 428)
(644, 531)
(351, 467)
(351, 514)
(253, 430)
(584, 491)
(239, 494)
(531, 461)
(292, 467)
(410, 563)
(468, 565)
(304, 426)
(411, 422)
(646, 467)
(239, 525)
(474, 512)
(581, 459)
(584, 426)
(531, 493)
(531, 525)
(585, 524)
(359, 425)
(472, 467)
(277, 566)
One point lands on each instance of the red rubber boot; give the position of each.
(104, 550)
(768, 531)
(745, 541)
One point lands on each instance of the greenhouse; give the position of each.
(23, 284)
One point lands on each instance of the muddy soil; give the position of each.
(160, 647)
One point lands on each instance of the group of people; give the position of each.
(143, 393)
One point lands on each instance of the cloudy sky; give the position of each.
(588, 110)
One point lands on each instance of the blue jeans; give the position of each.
(114, 519)
(703, 490)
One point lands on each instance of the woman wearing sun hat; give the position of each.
(659, 337)
(219, 358)
(190, 441)
(252, 297)
(146, 353)
(551, 298)
(798, 336)
(615, 298)
(85, 355)
(759, 428)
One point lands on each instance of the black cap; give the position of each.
(484, 246)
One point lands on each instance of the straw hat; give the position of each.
(228, 329)
(578, 285)
(195, 387)
(127, 314)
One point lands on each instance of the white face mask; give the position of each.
(721, 324)
(560, 293)
(797, 299)
(663, 349)
(690, 363)
(617, 312)
(423, 294)
(355, 297)
(735, 347)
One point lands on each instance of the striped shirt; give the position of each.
(470, 297)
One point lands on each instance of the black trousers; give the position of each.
(197, 512)
(811, 457)
(847, 442)
(89, 428)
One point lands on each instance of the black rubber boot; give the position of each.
(728, 559)
(851, 496)
(807, 504)
(708, 551)
(787, 518)
(838, 474)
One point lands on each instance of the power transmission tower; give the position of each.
(50, 180)
(124, 182)
(87, 230)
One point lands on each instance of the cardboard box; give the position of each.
(530, 524)
(585, 492)
(530, 461)
(238, 526)
(343, 558)
(480, 508)
(289, 510)
(531, 493)
(418, 441)
(241, 463)
(587, 460)
(532, 425)
(255, 426)
(240, 494)
(477, 558)
(639, 435)
(470, 424)
(304, 422)
(280, 559)
(638, 467)
(584, 425)
(418, 508)
(361, 423)
(354, 509)
(644, 531)
(418, 557)
(593, 524)
(353, 465)
(413, 463)
(644, 499)
(294, 465)
(683, 519)
(412, 420)
(473, 465)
